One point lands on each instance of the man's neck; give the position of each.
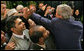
(19, 33)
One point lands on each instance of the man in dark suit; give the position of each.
(66, 30)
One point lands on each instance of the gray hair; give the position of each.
(64, 10)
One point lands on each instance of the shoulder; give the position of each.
(26, 30)
(55, 19)
(13, 39)
(77, 23)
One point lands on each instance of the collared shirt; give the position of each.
(19, 36)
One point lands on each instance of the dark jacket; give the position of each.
(67, 32)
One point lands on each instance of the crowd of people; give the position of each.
(45, 28)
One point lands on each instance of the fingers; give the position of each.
(10, 46)
(31, 23)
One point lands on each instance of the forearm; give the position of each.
(40, 20)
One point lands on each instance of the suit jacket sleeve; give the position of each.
(41, 20)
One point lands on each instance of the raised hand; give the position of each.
(10, 46)
(31, 23)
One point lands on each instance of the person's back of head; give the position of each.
(64, 10)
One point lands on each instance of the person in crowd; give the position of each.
(41, 5)
(49, 41)
(25, 17)
(20, 34)
(38, 34)
(12, 12)
(78, 5)
(4, 44)
(33, 7)
(3, 11)
(19, 8)
(41, 10)
(49, 13)
(77, 16)
(3, 40)
(66, 30)
(3, 15)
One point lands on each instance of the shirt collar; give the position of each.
(19, 36)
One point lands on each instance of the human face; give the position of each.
(3, 38)
(40, 5)
(77, 12)
(3, 8)
(33, 8)
(19, 25)
(45, 32)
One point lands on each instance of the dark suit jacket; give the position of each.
(67, 32)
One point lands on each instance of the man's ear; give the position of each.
(12, 29)
(41, 39)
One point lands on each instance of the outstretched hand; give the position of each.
(27, 12)
(31, 23)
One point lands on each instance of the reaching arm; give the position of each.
(41, 20)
